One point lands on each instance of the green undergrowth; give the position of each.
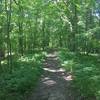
(24, 77)
(86, 73)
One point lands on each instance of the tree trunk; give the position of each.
(8, 8)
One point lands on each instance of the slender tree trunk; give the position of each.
(43, 35)
(8, 8)
(20, 25)
(75, 27)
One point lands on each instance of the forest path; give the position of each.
(54, 83)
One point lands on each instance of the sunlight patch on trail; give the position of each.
(51, 55)
(54, 70)
(68, 78)
(49, 82)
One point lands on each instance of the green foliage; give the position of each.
(89, 42)
(30, 25)
(23, 78)
(86, 72)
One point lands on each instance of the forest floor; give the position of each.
(55, 83)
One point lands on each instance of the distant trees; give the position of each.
(28, 25)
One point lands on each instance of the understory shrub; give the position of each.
(24, 77)
(86, 73)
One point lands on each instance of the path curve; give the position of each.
(54, 83)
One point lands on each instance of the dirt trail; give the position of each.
(54, 83)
